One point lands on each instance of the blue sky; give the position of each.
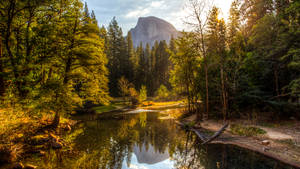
(127, 12)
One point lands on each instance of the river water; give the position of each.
(145, 140)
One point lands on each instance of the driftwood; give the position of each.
(202, 137)
(217, 134)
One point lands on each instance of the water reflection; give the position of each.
(144, 140)
(148, 155)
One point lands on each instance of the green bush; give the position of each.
(143, 94)
(134, 96)
(162, 93)
(246, 130)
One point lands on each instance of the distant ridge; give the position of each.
(151, 29)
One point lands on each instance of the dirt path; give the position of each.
(275, 134)
(284, 142)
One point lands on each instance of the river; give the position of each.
(142, 140)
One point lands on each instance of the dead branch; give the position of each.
(217, 134)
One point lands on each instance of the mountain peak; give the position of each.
(150, 29)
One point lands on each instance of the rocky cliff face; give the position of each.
(151, 29)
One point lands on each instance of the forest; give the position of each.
(57, 60)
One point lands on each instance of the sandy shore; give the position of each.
(284, 141)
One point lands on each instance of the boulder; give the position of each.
(265, 142)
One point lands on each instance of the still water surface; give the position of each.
(146, 140)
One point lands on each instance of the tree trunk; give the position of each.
(224, 110)
(56, 120)
(206, 86)
(66, 79)
(276, 80)
(2, 84)
(7, 38)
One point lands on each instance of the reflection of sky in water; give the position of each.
(134, 164)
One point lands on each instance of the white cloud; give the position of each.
(137, 13)
(156, 4)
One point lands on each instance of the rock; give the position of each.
(29, 166)
(151, 29)
(18, 166)
(265, 142)
(265, 149)
(56, 145)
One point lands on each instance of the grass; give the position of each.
(158, 105)
(102, 109)
(113, 106)
(246, 130)
(18, 131)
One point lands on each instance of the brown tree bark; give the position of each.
(206, 87)
(66, 79)
(224, 100)
(2, 83)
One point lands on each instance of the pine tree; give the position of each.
(217, 53)
(56, 56)
(117, 55)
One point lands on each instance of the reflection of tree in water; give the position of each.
(107, 143)
(193, 155)
(118, 137)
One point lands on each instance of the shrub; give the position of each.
(246, 130)
(143, 94)
(162, 93)
(134, 96)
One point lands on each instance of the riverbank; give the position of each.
(29, 140)
(280, 142)
(23, 136)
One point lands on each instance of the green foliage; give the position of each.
(143, 94)
(250, 63)
(124, 86)
(246, 130)
(134, 96)
(162, 93)
(54, 57)
(105, 108)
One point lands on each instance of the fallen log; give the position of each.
(202, 137)
(217, 134)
